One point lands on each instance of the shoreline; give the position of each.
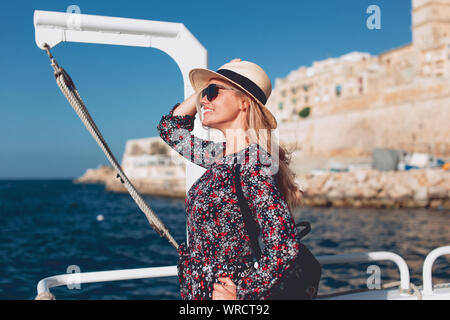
(360, 188)
(370, 188)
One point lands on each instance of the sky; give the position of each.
(127, 90)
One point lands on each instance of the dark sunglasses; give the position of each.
(212, 91)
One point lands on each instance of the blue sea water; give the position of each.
(48, 225)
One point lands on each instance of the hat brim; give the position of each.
(200, 77)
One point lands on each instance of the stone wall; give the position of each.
(415, 119)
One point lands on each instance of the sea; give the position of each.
(52, 227)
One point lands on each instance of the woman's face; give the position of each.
(223, 112)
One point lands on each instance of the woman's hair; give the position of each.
(258, 128)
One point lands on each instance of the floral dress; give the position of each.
(218, 241)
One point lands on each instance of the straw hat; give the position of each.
(246, 75)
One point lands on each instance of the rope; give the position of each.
(413, 290)
(45, 296)
(69, 90)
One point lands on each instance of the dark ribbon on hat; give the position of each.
(245, 82)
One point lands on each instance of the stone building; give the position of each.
(152, 158)
(354, 103)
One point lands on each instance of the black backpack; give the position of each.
(301, 280)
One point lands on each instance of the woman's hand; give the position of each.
(187, 107)
(226, 290)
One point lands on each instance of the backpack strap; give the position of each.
(252, 228)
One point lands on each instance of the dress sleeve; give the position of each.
(176, 132)
(277, 229)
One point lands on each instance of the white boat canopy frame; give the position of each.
(175, 39)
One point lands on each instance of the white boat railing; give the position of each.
(72, 279)
(428, 267)
(373, 256)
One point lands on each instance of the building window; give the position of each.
(283, 93)
(280, 106)
(305, 87)
(294, 91)
(338, 90)
(294, 101)
(305, 112)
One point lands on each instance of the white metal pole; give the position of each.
(172, 38)
(373, 256)
(427, 276)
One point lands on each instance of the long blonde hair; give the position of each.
(255, 121)
(259, 131)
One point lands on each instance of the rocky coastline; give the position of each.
(173, 188)
(361, 188)
(369, 188)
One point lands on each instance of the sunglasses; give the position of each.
(212, 91)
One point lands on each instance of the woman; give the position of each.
(218, 263)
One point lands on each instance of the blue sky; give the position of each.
(127, 90)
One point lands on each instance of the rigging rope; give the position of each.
(69, 90)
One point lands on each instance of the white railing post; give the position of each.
(428, 268)
(103, 276)
(373, 256)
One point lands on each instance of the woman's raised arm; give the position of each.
(175, 129)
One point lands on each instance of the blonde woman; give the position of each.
(218, 263)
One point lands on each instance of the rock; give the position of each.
(316, 183)
(436, 204)
(320, 201)
(434, 176)
(339, 203)
(353, 191)
(361, 176)
(382, 194)
(374, 184)
(371, 203)
(306, 201)
(387, 203)
(398, 191)
(437, 192)
(303, 184)
(99, 175)
(367, 192)
(355, 203)
(421, 203)
(334, 195)
(410, 181)
(446, 204)
(328, 185)
(157, 187)
(421, 194)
